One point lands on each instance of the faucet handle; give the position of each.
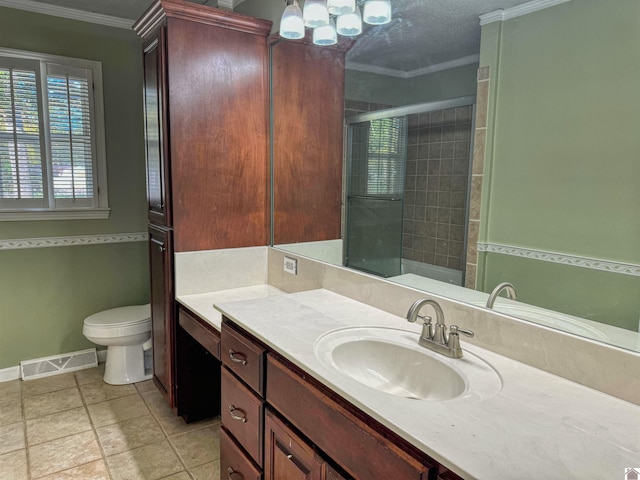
(454, 329)
(427, 329)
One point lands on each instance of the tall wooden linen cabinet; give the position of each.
(206, 129)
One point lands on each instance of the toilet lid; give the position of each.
(132, 315)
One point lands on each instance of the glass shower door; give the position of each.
(375, 190)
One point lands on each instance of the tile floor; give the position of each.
(75, 426)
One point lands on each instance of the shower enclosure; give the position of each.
(408, 177)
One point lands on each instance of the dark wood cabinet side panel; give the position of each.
(217, 100)
(308, 112)
(338, 433)
(162, 308)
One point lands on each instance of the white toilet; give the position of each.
(126, 332)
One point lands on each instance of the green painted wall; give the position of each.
(563, 150)
(46, 293)
(265, 9)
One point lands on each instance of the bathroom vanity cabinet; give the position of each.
(206, 98)
(278, 423)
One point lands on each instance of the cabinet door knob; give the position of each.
(231, 472)
(237, 357)
(241, 416)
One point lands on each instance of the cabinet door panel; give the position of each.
(162, 316)
(288, 457)
(155, 137)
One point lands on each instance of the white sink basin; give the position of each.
(390, 361)
(549, 318)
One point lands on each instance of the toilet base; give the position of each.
(126, 364)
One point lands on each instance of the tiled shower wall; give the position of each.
(436, 187)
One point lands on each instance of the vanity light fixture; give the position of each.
(291, 23)
(325, 35)
(323, 16)
(315, 13)
(377, 12)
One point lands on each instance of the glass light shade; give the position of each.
(325, 35)
(350, 24)
(377, 12)
(340, 7)
(315, 13)
(291, 23)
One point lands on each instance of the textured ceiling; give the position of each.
(425, 32)
(422, 33)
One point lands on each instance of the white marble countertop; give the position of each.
(202, 304)
(536, 426)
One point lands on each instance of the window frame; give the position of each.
(100, 208)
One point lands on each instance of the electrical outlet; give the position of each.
(291, 265)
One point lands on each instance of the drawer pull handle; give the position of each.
(242, 416)
(231, 472)
(237, 357)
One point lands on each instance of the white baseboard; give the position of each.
(8, 374)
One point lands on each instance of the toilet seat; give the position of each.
(119, 321)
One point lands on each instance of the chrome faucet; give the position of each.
(436, 338)
(507, 287)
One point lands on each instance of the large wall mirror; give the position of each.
(477, 152)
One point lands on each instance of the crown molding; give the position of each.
(70, 13)
(518, 11)
(458, 62)
(20, 243)
(554, 257)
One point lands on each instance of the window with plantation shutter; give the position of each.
(52, 162)
(387, 154)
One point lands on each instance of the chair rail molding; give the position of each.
(566, 259)
(45, 242)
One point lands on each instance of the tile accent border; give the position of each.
(20, 243)
(554, 257)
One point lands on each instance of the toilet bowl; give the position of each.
(126, 332)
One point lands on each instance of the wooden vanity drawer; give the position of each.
(233, 462)
(243, 357)
(205, 334)
(346, 438)
(242, 413)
